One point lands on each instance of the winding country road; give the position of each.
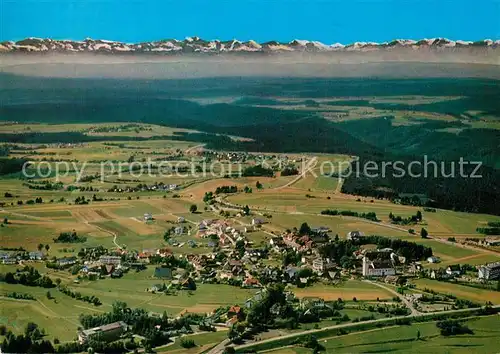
(115, 236)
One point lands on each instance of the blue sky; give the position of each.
(328, 21)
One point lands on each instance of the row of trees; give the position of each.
(257, 171)
(21, 296)
(290, 171)
(226, 189)
(488, 230)
(413, 219)
(370, 215)
(78, 296)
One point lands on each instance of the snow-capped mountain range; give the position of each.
(197, 45)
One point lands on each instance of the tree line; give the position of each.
(370, 215)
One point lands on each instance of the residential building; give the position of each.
(251, 283)
(35, 256)
(277, 242)
(453, 270)
(490, 271)
(433, 259)
(65, 261)
(415, 268)
(321, 229)
(156, 288)
(319, 238)
(11, 260)
(235, 311)
(114, 260)
(106, 333)
(491, 242)
(108, 269)
(378, 264)
(256, 221)
(321, 265)
(354, 235)
(164, 252)
(4, 255)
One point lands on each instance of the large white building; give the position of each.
(114, 260)
(378, 264)
(490, 271)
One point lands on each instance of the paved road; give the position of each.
(309, 166)
(219, 348)
(347, 325)
(188, 150)
(408, 304)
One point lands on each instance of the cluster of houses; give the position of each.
(240, 156)
(227, 234)
(485, 272)
(487, 242)
(14, 257)
(145, 188)
(305, 243)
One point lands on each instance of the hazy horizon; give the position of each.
(362, 64)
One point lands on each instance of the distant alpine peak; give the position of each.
(197, 45)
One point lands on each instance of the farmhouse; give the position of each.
(354, 235)
(490, 271)
(453, 270)
(491, 242)
(106, 333)
(378, 264)
(256, 221)
(433, 259)
(148, 217)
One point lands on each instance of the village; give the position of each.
(295, 259)
(235, 260)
